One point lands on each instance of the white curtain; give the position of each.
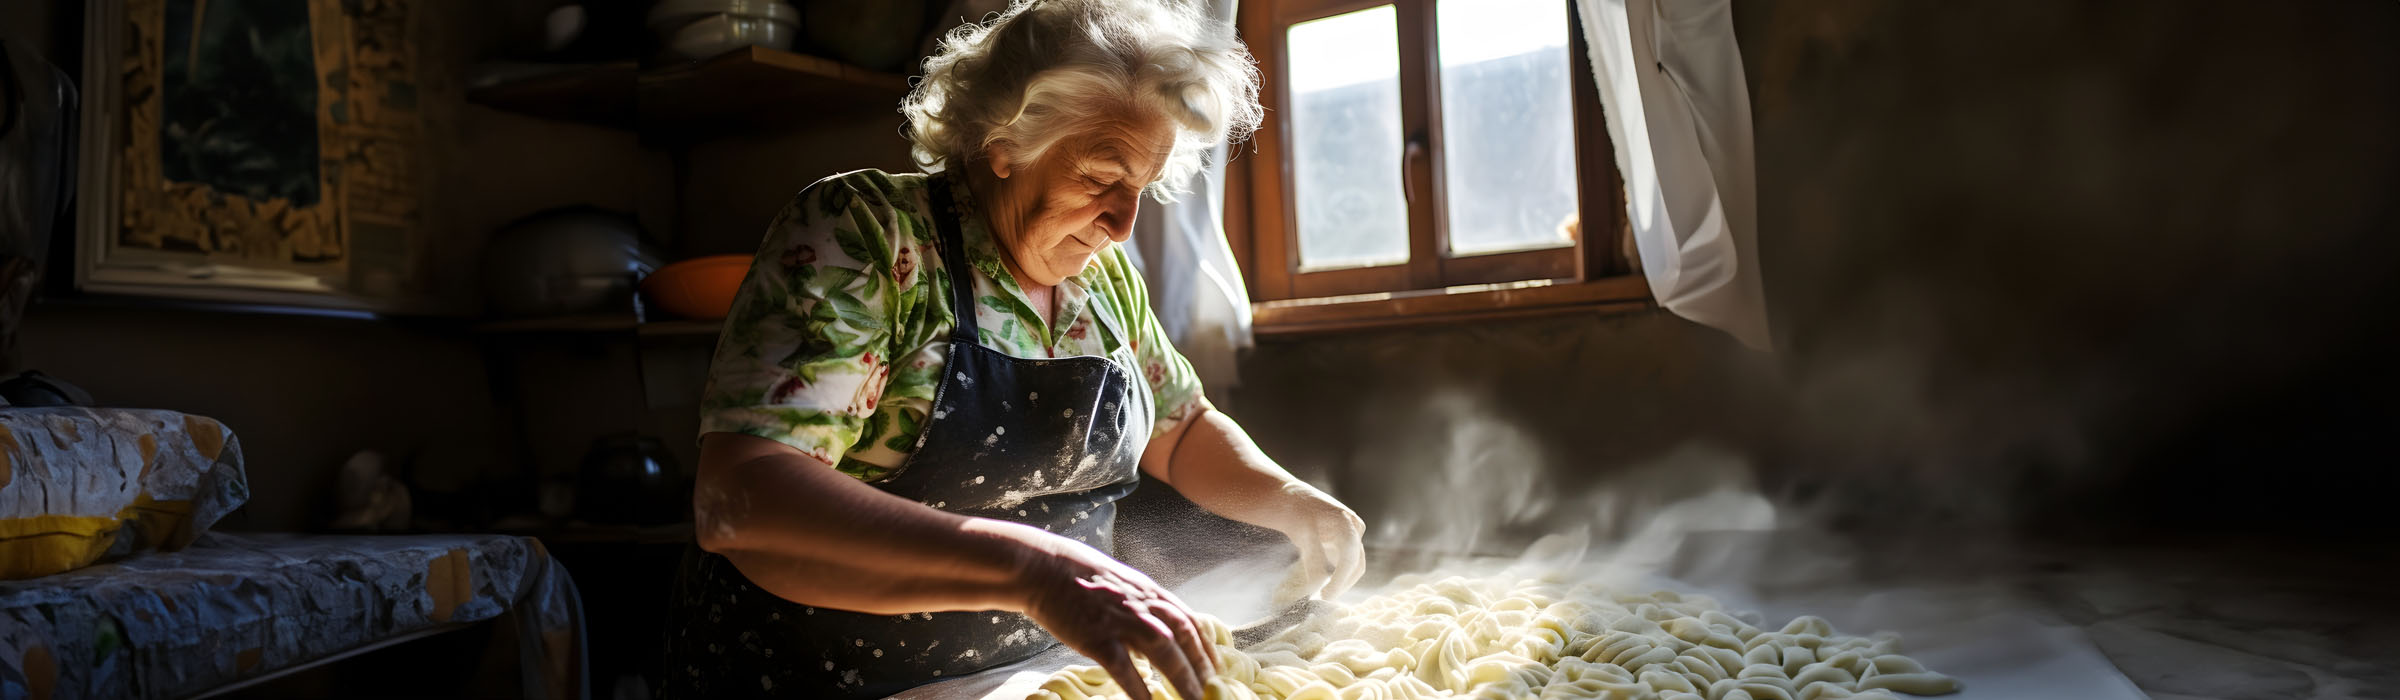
(1195, 287)
(1670, 79)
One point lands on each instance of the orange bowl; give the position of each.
(699, 288)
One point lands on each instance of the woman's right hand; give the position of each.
(1109, 611)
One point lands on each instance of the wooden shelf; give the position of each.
(682, 327)
(602, 324)
(600, 94)
(759, 88)
(740, 90)
(560, 324)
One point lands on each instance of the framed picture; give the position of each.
(257, 151)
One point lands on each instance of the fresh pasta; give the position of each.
(1489, 638)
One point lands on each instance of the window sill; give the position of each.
(1477, 302)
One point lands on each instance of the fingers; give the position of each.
(1195, 645)
(1168, 659)
(1183, 624)
(1195, 655)
(1119, 665)
(1350, 562)
(1353, 556)
(1313, 571)
(1112, 613)
(1352, 571)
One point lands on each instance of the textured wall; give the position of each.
(276, 379)
(2085, 257)
(2128, 262)
(306, 392)
(302, 393)
(1473, 436)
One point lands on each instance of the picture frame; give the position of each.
(194, 186)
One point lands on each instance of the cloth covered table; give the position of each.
(234, 609)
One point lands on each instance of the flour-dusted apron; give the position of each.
(1047, 442)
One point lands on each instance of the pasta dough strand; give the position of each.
(1461, 637)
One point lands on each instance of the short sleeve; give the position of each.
(806, 351)
(1173, 384)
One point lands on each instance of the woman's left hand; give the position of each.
(1328, 536)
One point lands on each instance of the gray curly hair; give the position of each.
(1044, 70)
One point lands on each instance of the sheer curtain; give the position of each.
(1670, 79)
(1195, 287)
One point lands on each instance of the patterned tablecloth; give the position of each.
(238, 607)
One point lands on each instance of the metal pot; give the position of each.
(695, 29)
(881, 35)
(576, 260)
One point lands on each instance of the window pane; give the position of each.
(1345, 78)
(1508, 139)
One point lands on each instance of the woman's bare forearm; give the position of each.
(1213, 462)
(812, 535)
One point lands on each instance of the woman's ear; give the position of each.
(997, 157)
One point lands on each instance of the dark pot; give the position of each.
(629, 479)
(879, 35)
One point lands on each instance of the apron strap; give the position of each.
(954, 258)
(1110, 325)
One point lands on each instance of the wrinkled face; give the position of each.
(1054, 214)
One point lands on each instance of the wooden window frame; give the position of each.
(1592, 273)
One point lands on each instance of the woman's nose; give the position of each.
(1122, 205)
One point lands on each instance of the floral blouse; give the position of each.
(836, 341)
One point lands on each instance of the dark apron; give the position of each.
(1052, 443)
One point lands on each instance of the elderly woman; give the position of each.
(932, 388)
